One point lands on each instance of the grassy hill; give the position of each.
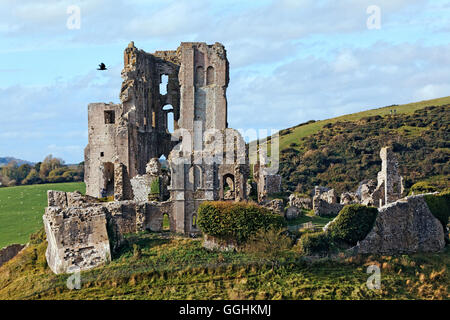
(5, 160)
(295, 133)
(21, 209)
(342, 151)
(170, 267)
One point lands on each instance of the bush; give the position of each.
(317, 242)
(421, 187)
(439, 205)
(268, 243)
(235, 221)
(353, 223)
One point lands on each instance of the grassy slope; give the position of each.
(309, 129)
(177, 268)
(21, 209)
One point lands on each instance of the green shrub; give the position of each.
(317, 242)
(235, 221)
(353, 223)
(439, 205)
(421, 187)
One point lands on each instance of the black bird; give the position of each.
(102, 67)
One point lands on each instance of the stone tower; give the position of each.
(207, 160)
(390, 183)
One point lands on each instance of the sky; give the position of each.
(290, 60)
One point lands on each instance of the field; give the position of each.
(164, 266)
(21, 209)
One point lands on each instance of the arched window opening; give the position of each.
(163, 84)
(170, 124)
(210, 75)
(200, 76)
(228, 187)
(198, 177)
(194, 221)
(108, 179)
(166, 222)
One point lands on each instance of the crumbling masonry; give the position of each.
(206, 159)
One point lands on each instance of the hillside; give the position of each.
(340, 152)
(5, 160)
(164, 266)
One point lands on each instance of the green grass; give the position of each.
(309, 216)
(179, 268)
(21, 209)
(312, 128)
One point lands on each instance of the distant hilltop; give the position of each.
(5, 160)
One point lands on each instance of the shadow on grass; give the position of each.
(145, 241)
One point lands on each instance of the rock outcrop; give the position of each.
(404, 226)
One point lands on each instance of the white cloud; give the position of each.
(345, 62)
(315, 88)
(431, 91)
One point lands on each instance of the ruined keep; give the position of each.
(389, 187)
(206, 159)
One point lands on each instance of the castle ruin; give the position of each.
(206, 160)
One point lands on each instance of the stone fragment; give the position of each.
(403, 227)
(299, 201)
(77, 238)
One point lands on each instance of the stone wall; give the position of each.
(389, 185)
(83, 232)
(77, 238)
(405, 226)
(299, 201)
(325, 202)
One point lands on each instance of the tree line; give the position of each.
(50, 170)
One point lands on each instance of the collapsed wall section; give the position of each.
(83, 233)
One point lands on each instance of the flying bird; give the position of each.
(102, 67)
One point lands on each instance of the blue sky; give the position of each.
(291, 60)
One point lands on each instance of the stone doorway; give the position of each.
(229, 190)
(108, 179)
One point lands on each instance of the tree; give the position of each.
(48, 165)
(22, 172)
(32, 178)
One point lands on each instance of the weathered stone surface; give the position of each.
(153, 167)
(300, 202)
(349, 198)
(77, 238)
(325, 202)
(76, 199)
(275, 205)
(365, 190)
(57, 198)
(292, 213)
(9, 252)
(323, 208)
(389, 186)
(141, 185)
(404, 226)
